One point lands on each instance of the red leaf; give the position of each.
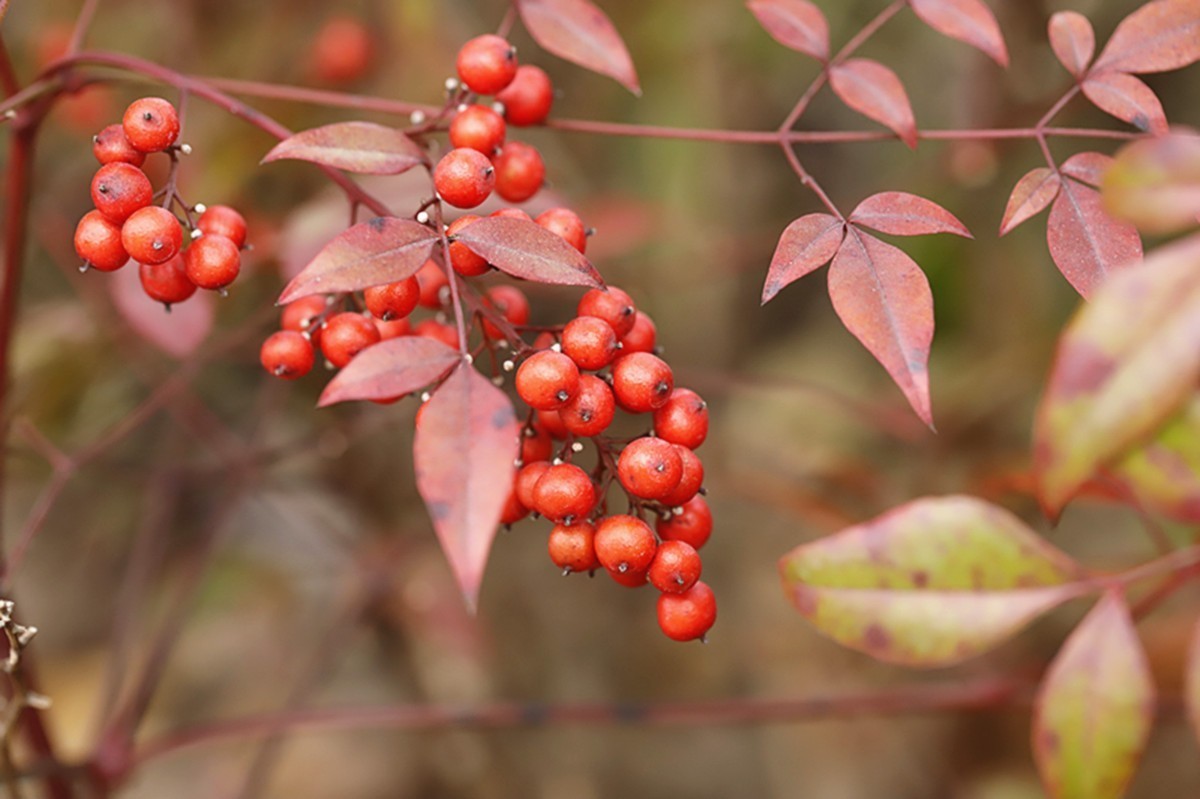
(383, 250)
(1087, 167)
(969, 21)
(1085, 242)
(883, 298)
(807, 244)
(527, 250)
(1158, 37)
(797, 24)
(581, 33)
(874, 91)
(1033, 192)
(1127, 98)
(1073, 40)
(463, 453)
(362, 147)
(178, 332)
(904, 214)
(390, 369)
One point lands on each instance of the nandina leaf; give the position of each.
(177, 333)
(969, 21)
(883, 298)
(1073, 41)
(362, 147)
(1095, 707)
(463, 453)
(1128, 99)
(1087, 167)
(1126, 363)
(1162, 476)
(1085, 242)
(1033, 192)
(904, 214)
(390, 369)
(527, 250)
(807, 244)
(930, 583)
(1158, 37)
(1191, 687)
(876, 92)
(580, 32)
(383, 250)
(797, 24)
(1155, 183)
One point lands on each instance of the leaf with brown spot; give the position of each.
(1128, 99)
(179, 332)
(1095, 707)
(463, 453)
(807, 244)
(527, 250)
(1191, 682)
(796, 24)
(1162, 476)
(1087, 167)
(1155, 183)
(1087, 244)
(1032, 194)
(361, 147)
(390, 369)
(902, 214)
(578, 31)
(969, 21)
(1158, 37)
(1073, 41)
(876, 92)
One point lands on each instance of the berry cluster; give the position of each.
(125, 223)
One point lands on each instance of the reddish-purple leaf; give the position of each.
(1127, 98)
(902, 214)
(463, 452)
(1085, 242)
(581, 33)
(177, 333)
(527, 250)
(1087, 167)
(1073, 40)
(797, 24)
(876, 92)
(1033, 192)
(807, 244)
(382, 250)
(1191, 687)
(390, 369)
(1155, 183)
(1159, 36)
(362, 147)
(969, 21)
(883, 298)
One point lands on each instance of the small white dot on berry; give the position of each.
(196, 233)
(557, 347)
(557, 462)
(200, 208)
(498, 107)
(461, 107)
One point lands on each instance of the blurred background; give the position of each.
(293, 539)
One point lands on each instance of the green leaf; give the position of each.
(1155, 183)
(1163, 477)
(1095, 708)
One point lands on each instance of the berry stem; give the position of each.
(451, 277)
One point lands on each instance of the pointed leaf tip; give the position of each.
(390, 369)
(968, 21)
(578, 31)
(796, 24)
(527, 250)
(806, 244)
(875, 91)
(902, 214)
(362, 147)
(1073, 41)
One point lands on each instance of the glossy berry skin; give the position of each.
(649, 468)
(464, 177)
(151, 124)
(566, 224)
(552, 423)
(393, 300)
(536, 445)
(287, 354)
(98, 242)
(513, 213)
(687, 616)
(213, 262)
(547, 380)
(675, 568)
(629, 579)
(613, 306)
(462, 258)
(520, 171)
(641, 337)
(119, 189)
(511, 303)
(486, 64)
(479, 128)
(166, 282)
(432, 328)
(513, 511)
(395, 328)
(590, 342)
(343, 51)
(693, 525)
(221, 220)
(572, 548)
(683, 419)
(591, 410)
(642, 382)
(527, 100)
(301, 315)
(527, 479)
(625, 544)
(152, 235)
(690, 479)
(564, 494)
(432, 279)
(346, 335)
(110, 146)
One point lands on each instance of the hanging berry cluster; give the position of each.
(126, 224)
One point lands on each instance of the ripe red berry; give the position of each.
(629, 579)
(462, 258)
(213, 262)
(687, 616)
(590, 342)
(649, 468)
(572, 548)
(432, 279)
(513, 511)
(528, 98)
(464, 177)
(527, 479)
(119, 189)
(536, 445)
(486, 64)
(301, 315)
(642, 382)
(641, 337)
(519, 171)
(511, 303)
(152, 235)
(393, 300)
(151, 124)
(166, 282)
(479, 128)
(683, 419)
(394, 328)
(343, 51)
(690, 480)
(287, 354)
(221, 220)
(438, 331)
(624, 544)
(566, 224)
(693, 524)
(98, 242)
(564, 494)
(613, 306)
(110, 146)
(552, 423)
(547, 380)
(591, 410)
(675, 568)
(512, 213)
(346, 335)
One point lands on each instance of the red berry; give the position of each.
(572, 548)
(166, 282)
(683, 419)
(642, 382)
(641, 337)
(345, 335)
(98, 242)
(649, 468)
(513, 213)
(464, 177)
(511, 303)
(462, 258)
(110, 146)
(624, 544)
(693, 524)
(152, 235)
(479, 128)
(690, 480)
(566, 224)
(432, 279)
(487, 64)
(513, 511)
(528, 98)
(519, 171)
(675, 568)
(301, 315)
(213, 262)
(119, 189)
(687, 616)
(613, 306)
(394, 328)
(151, 124)
(552, 423)
(629, 579)
(527, 479)
(591, 410)
(287, 354)
(564, 494)
(590, 342)
(547, 380)
(342, 51)
(221, 220)
(536, 445)
(393, 300)
(431, 328)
